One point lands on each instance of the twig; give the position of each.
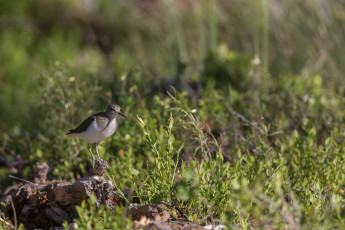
(241, 117)
(210, 215)
(176, 207)
(128, 204)
(2, 219)
(273, 172)
(20, 179)
(289, 218)
(273, 139)
(14, 212)
(287, 215)
(245, 120)
(166, 203)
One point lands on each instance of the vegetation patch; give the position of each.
(235, 114)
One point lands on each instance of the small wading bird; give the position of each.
(98, 127)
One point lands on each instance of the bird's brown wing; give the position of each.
(83, 126)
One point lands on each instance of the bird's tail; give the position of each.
(70, 132)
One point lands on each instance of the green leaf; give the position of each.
(134, 172)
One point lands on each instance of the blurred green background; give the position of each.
(102, 40)
(241, 90)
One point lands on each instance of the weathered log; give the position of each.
(99, 167)
(40, 173)
(54, 200)
(39, 204)
(152, 212)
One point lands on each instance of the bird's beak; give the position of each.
(122, 115)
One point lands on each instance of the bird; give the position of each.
(98, 127)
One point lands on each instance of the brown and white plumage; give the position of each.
(98, 127)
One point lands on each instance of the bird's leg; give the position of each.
(97, 150)
(89, 147)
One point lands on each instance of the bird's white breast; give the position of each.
(95, 134)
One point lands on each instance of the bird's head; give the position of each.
(114, 110)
